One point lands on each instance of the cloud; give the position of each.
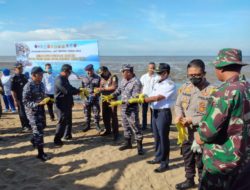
(100, 31)
(160, 22)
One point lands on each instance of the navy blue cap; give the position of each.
(36, 70)
(89, 67)
(67, 68)
(162, 67)
(18, 65)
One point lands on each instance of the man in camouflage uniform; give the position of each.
(33, 96)
(108, 85)
(130, 87)
(90, 82)
(224, 129)
(190, 107)
(17, 83)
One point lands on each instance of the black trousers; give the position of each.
(144, 116)
(22, 115)
(50, 107)
(109, 114)
(64, 125)
(161, 121)
(190, 160)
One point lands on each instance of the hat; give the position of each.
(36, 70)
(89, 67)
(102, 69)
(162, 67)
(229, 56)
(6, 72)
(127, 67)
(66, 67)
(18, 65)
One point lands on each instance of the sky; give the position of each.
(130, 27)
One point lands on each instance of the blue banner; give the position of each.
(77, 53)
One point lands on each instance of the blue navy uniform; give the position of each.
(92, 102)
(17, 84)
(64, 92)
(130, 118)
(162, 119)
(33, 94)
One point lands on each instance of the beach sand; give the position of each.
(87, 162)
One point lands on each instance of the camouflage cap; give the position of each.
(127, 67)
(229, 56)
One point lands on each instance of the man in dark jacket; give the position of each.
(64, 92)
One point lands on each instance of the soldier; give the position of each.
(64, 102)
(1, 93)
(34, 101)
(108, 85)
(161, 99)
(190, 107)
(224, 129)
(17, 83)
(90, 82)
(130, 88)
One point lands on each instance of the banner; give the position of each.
(77, 53)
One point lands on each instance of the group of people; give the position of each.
(216, 120)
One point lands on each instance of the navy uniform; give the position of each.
(162, 117)
(17, 84)
(130, 118)
(64, 92)
(92, 101)
(109, 83)
(33, 94)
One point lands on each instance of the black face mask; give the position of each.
(196, 81)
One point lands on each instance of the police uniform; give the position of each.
(17, 84)
(33, 94)
(192, 102)
(64, 92)
(92, 102)
(109, 113)
(225, 130)
(162, 118)
(130, 118)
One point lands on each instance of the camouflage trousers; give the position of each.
(95, 108)
(191, 160)
(130, 122)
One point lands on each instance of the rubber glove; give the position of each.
(196, 147)
(107, 98)
(44, 101)
(182, 133)
(138, 100)
(115, 103)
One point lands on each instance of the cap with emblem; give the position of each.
(127, 67)
(102, 69)
(36, 70)
(162, 67)
(89, 67)
(229, 56)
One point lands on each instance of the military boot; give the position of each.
(189, 183)
(127, 145)
(41, 155)
(139, 147)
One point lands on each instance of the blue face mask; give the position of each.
(49, 71)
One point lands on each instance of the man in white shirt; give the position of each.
(161, 99)
(148, 81)
(49, 83)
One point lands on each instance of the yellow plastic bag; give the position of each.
(182, 134)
